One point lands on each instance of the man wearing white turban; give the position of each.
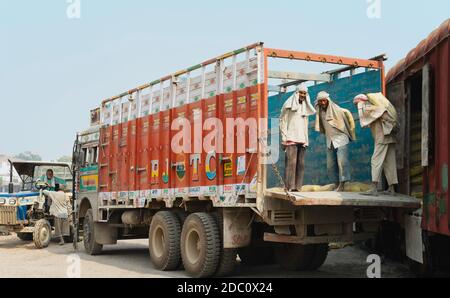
(338, 125)
(295, 135)
(376, 112)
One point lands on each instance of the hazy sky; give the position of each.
(53, 69)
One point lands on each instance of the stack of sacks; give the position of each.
(349, 187)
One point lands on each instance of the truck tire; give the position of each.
(200, 245)
(25, 236)
(228, 256)
(92, 248)
(164, 241)
(182, 215)
(294, 257)
(42, 234)
(227, 263)
(319, 257)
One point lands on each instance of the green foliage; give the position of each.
(28, 156)
(65, 158)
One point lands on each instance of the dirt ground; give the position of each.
(130, 259)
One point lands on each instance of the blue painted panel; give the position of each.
(19, 195)
(342, 92)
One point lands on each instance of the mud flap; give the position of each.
(105, 234)
(413, 238)
(237, 228)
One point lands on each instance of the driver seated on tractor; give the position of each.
(52, 181)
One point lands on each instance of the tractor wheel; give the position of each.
(91, 247)
(319, 257)
(200, 245)
(42, 234)
(164, 241)
(294, 257)
(25, 236)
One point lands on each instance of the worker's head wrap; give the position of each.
(337, 117)
(305, 107)
(302, 88)
(323, 95)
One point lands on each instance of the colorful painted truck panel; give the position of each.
(137, 156)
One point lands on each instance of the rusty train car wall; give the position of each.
(419, 86)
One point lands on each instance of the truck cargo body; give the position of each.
(205, 142)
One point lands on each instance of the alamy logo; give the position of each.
(374, 269)
(73, 9)
(374, 9)
(74, 266)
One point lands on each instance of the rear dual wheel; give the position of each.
(228, 256)
(164, 241)
(201, 245)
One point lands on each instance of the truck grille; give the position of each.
(8, 216)
(370, 214)
(282, 217)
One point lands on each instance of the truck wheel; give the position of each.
(25, 236)
(227, 262)
(319, 257)
(294, 257)
(228, 256)
(200, 245)
(91, 247)
(42, 234)
(164, 241)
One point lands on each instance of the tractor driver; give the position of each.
(51, 180)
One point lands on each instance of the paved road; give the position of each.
(130, 259)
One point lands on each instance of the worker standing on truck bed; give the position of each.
(376, 112)
(295, 136)
(338, 125)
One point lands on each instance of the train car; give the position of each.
(419, 86)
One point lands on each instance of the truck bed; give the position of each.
(344, 199)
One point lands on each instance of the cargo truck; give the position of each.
(162, 162)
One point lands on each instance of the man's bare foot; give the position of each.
(390, 191)
(341, 187)
(373, 192)
(370, 193)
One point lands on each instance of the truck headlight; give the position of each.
(12, 202)
(2, 201)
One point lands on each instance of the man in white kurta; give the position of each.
(338, 126)
(60, 209)
(376, 112)
(295, 136)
